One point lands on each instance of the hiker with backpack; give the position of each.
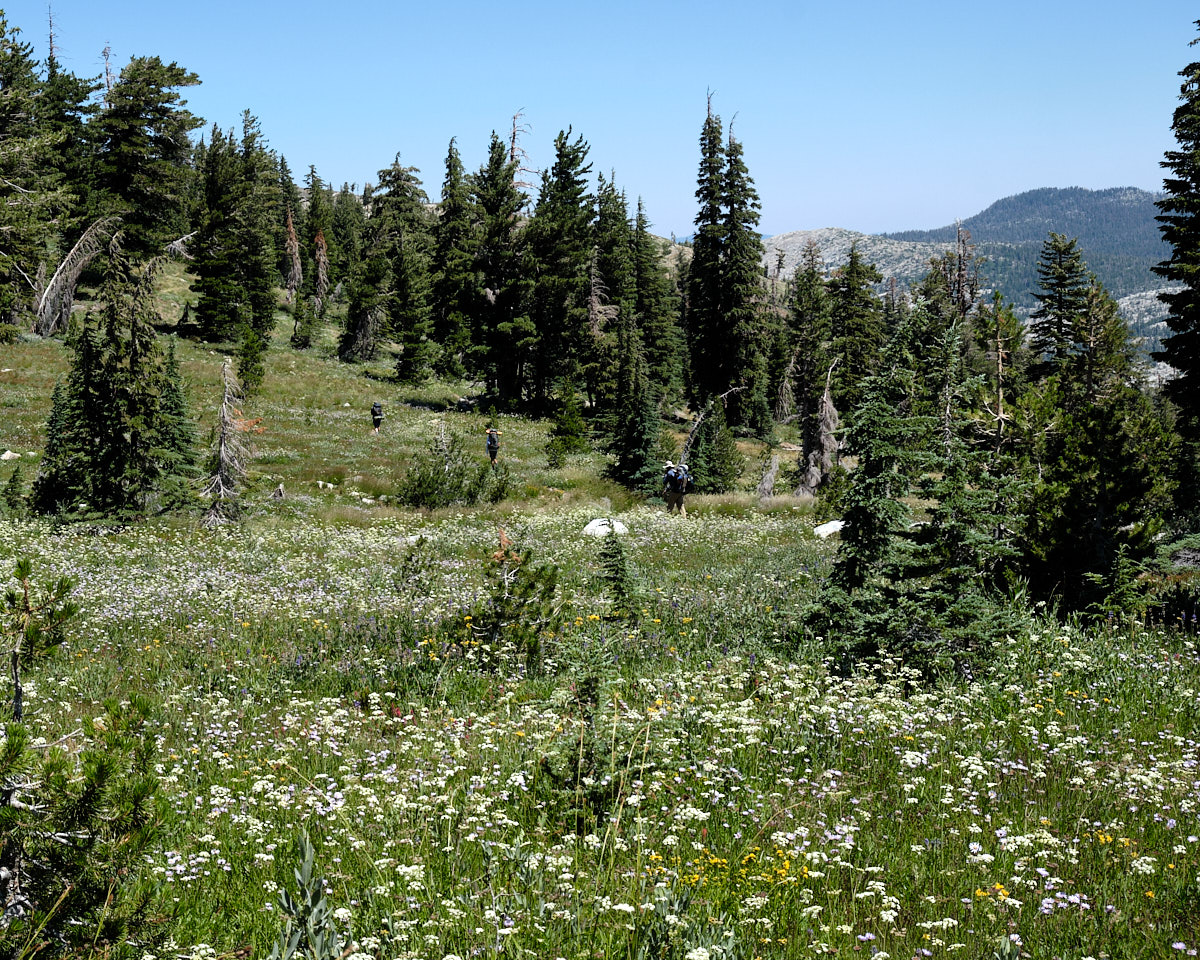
(675, 486)
(377, 414)
(493, 445)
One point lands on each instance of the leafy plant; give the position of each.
(308, 931)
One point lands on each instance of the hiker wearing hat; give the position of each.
(675, 485)
(376, 414)
(493, 445)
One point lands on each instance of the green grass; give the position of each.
(683, 784)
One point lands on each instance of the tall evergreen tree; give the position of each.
(807, 347)
(1100, 463)
(455, 284)
(115, 437)
(558, 244)
(290, 205)
(636, 437)
(1180, 226)
(1063, 282)
(856, 321)
(31, 194)
(505, 336)
(143, 169)
(656, 310)
(63, 110)
(218, 310)
(706, 333)
(346, 226)
(742, 296)
(400, 204)
(316, 237)
(611, 298)
(235, 247)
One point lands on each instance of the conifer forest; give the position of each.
(914, 675)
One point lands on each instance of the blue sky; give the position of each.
(874, 115)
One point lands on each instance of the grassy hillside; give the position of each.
(680, 778)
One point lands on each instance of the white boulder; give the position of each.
(602, 526)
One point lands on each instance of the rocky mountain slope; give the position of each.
(1116, 229)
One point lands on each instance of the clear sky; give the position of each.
(876, 115)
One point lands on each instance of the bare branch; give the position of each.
(54, 302)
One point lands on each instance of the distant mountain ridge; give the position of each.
(1116, 228)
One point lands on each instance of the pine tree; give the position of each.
(454, 286)
(1063, 280)
(400, 223)
(998, 358)
(367, 314)
(316, 237)
(1178, 223)
(570, 431)
(115, 439)
(31, 195)
(638, 428)
(707, 334)
(856, 321)
(611, 298)
(1102, 458)
(235, 250)
(713, 458)
(320, 273)
(143, 170)
(304, 323)
(74, 831)
(346, 227)
(64, 107)
(290, 205)
(808, 345)
(176, 430)
(218, 309)
(656, 310)
(742, 296)
(13, 495)
(558, 244)
(504, 336)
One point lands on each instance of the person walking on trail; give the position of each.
(675, 485)
(377, 414)
(493, 445)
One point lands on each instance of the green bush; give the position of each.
(448, 475)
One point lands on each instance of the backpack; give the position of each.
(676, 480)
(377, 409)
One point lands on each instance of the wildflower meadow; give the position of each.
(684, 779)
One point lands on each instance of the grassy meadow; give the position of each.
(686, 780)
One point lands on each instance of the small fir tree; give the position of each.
(14, 493)
(713, 458)
(617, 575)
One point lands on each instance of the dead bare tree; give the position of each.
(600, 311)
(106, 53)
(819, 463)
(321, 287)
(230, 454)
(766, 485)
(516, 153)
(785, 397)
(55, 299)
(295, 271)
